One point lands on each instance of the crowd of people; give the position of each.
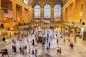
(43, 36)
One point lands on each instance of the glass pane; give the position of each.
(57, 11)
(47, 10)
(37, 11)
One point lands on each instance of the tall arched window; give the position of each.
(37, 11)
(47, 11)
(57, 11)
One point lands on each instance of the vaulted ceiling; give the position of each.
(43, 2)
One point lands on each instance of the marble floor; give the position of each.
(79, 49)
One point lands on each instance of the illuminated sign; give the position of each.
(26, 1)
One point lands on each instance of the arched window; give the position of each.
(37, 11)
(47, 11)
(57, 11)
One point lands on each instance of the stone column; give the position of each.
(84, 13)
(64, 14)
(42, 13)
(30, 13)
(76, 11)
(52, 13)
(68, 14)
(14, 11)
(1, 13)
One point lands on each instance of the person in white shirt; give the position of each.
(82, 31)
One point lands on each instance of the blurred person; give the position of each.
(50, 36)
(82, 30)
(71, 45)
(59, 51)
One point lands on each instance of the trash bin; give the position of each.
(84, 36)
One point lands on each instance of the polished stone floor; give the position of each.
(79, 49)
